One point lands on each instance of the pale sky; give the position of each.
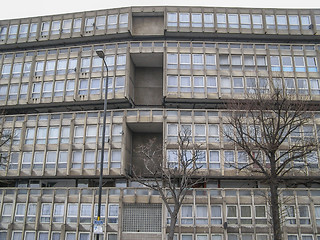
(11, 9)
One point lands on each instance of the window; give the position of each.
(208, 20)
(13, 29)
(282, 22)
(38, 160)
(112, 236)
(201, 159)
(257, 21)
(20, 211)
(233, 20)
(210, 61)
(245, 215)
(55, 236)
(16, 235)
(212, 84)
(221, 20)
(225, 85)
(245, 20)
(236, 62)
(6, 69)
(115, 159)
(7, 212)
(43, 236)
(91, 133)
(312, 64)
(172, 158)
(294, 22)
(214, 133)
(76, 159)
(172, 61)
(119, 84)
(78, 134)
(197, 61)
(251, 85)
(29, 135)
(275, 63)
(299, 64)
(16, 69)
(224, 61)
(89, 159)
(3, 32)
(214, 159)
(200, 132)
(232, 217)
(41, 135)
(216, 237)
(260, 215)
(84, 236)
(13, 92)
(65, 134)
(172, 19)
(216, 214)
(39, 68)
(102, 211)
(55, 27)
(186, 214)
(290, 86)
(113, 212)
(3, 92)
(201, 237)
(62, 160)
(123, 20)
(66, 26)
(184, 19)
(77, 24)
(45, 29)
(85, 213)
(72, 213)
(70, 236)
(121, 62)
(290, 214)
(304, 215)
(89, 23)
(70, 88)
(14, 159)
(238, 85)
(51, 159)
(30, 235)
(185, 61)
(112, 21)
(287, 63)
(26, 160)
(33, 29)
(45, 212)
(302, 86)
(305, 22)
(100, 22)
(58, 213)
(317, 21)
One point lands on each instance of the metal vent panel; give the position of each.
(142, 218)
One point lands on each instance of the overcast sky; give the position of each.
(32, 8)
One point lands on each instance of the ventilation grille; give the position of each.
(141, 236)
(142, 218)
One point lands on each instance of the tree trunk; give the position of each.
(173, 220)
(275, 213)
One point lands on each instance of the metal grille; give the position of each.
(141, 236)
(142, 217)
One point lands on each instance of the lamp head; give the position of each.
(100, 53)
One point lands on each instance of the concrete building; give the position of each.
(169, 68)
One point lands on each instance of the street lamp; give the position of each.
(102, 56)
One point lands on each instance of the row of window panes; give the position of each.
(242, 214)
(231, 159)
(57, 213)
(237, 62)
(89, 134)
(49, 89)
(65, 26)
(39, 160)
(244, 21)
(62, 66)
(257, 46)
(243, 236)
(44, 235)
(240, 85)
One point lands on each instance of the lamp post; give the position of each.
(102, 56)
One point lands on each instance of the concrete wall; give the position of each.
(147, 25)
(148, 86)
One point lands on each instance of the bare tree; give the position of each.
(261, 126)
(173, 177)
(5, 137)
